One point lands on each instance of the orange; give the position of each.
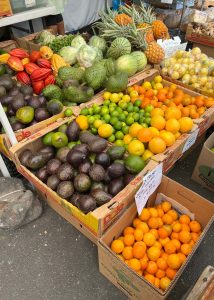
(144, 135)
(164, 256)
(157, 145)
(185, 227)
(129, 239)
(158, 122)
(182, 257)
(150, 278)
(174, 236)
(117, 246)
(120, 257)
(158, 244)
(162, 232)
(184, 219)
(144, 263)
(160, 274)
(169, 247)
(153, 222)
(157, 112)
(141, 243)
(136, 221)
(160, 222)
(149, 239)
(153, 212)
(176, 227)
(167, 219)
(135, 264)
(145, 214)
(161, 263)
(157, 282)
(160, 212)
(186, 249)
(166, 206)
(154, 232)
(152, 267)
(154, 131)
(164, 241)
(172, 125)
(191, 243)
(176, 243)
(121, 238)
(168, 228)
(172, 113)
(173, 261)
(195, 226)
(185, 112)
(143, 226)
(168, 138)
(186, 124)
(138, 251)
(127, 252)
(177, 135)
(195, 236)
(128, 230)
(184, 236)
(170, 273)
(164, 283)
(138, 234)
(173, 214)
(153, 253)
(134, 129)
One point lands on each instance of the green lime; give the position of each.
(113, 120)
(148, 121)
(96, 109)
(94, 130)
(122, 117)
(90, 111)
(123, 104)
(107, 118)
(112, 104)
(63, 128)
(119, 143)
(96, 117)
(106, 102)
(130, 107)
(119, 135)
(68, 112)
(135, 109)
(125, 113)
(119, 110)
(111, 139)
(129, 120)
(149, 108)
(144, 125)
(136, 116)
(141, 120)
(71, 145)
(147, 115)
(59, 139)
(97, 123)
(47, 139)
(104, 110)
(125, 129)
(138, 103)
(142, 111)
(91, 119)
(115, 113)
(111, 109)
(84, 111)
(118, 125)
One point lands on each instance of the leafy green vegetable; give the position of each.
(61, 41)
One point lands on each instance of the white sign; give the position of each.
(190, 141)
(150, 182)
(30, 3)
(171, 46)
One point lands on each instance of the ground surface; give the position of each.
(50, 260)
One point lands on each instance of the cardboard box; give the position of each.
(114, 269)
(204, 169)
(208, 50)
(198, 38)
(95, 222)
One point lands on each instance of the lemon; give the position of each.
(133, 94)
(83, 122)
(105, 130)
(115, 98)
(120, 94)
(147, 85)
(127, 139)
(126, 98)
(106, 95)
(158, 79)
(155, 131)
(134, 128)
(158, 86)
(130, 89)
(136, 147)
(97, 123)
(147, 154)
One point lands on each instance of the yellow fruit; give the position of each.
(186, 124)
(134, 128)
(157, 145)
(155, 131)
(147, 85)
(172, 113)
(105, 130)
(158, 86)
(115, 98)
(160, 30)
(153, 253)
(83, 122)
(120, 94)
(172, 125)
(147, 154)
(136, 147)
(158, 79)
(127, 139)
(164, 283)
(126, 98)
(154, 53)
(157, 112)
(97, 123)
(158, 122)
(133, 94)
(168, 137)
(106, 95)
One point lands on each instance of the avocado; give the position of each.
(14, 91)
(116, 152)
(65, 172)
(54, 106)
(6, 82)
(116, 170)
(102, 159)
(65, 189)
(82, 148)
(42, 114)
(97, 173)
(98, 185)
(63, 128)
(2, 91)
(42, 174)
(6, 100)
(100, 196)
(73, 131)
(26, 90)
(37, 161)
(24, 157)
(17, 126)
(75, 158)
(42, 100)
(48, 150)
(34, 102)
(107, 178)
(86, 203)
(53, 182)
(53, 166)
(98, 145)
(74, 198)
(62, 154)
(86, 137)
(82, 183)
(18, 102)
(115, 186)
(134, 164)
(128, 178)
(10, 112)
(85, 166)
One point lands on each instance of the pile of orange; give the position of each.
(157, 243)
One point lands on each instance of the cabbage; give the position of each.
(127, 64)
(46, 37)
(98, 42)
(69, 54)
(78, 42)
(86, 56)
(141, 59)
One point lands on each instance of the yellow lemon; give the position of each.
(158, 79)
(97, 123)
(147, 154)
(136, 147)
(83, 122)
(115, 98)
(106, 95)
(155, 131)
(105, 130)
(168, 137)
(134, 128)
(127, 139)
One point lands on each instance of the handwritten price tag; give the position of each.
(150, 182)
(191, 140)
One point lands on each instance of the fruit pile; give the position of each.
(157, 243)
(192, 68)
(81, 167)
(146, 119)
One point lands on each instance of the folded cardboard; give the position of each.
(204, 169)
(114, 269)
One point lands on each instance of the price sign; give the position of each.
(150, 182)
(30, 3)
(191, 140)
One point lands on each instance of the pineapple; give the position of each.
(149, 36)
(160, 30)
(154, 53)
(123, 19)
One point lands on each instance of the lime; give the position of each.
(125, 113)
(118, 125)
(119, 135)
(120, 94)
(113, 121)
(119, 143)
(125, 129)
(97, 123)
(96, 109)
(112, 104)
(71, 145)
(63, 128)
(130, 107)
(141, 120)
(123, 104)
(111, 109)
(147, 115)
(91, 119)
(136, 116)
(119, 110)
(142, 111)
(111, 139)
(129, 120)
(135, 109)
(144, 125)
(90, 111)
(104, 110)
(59, 139)
(96, 117)
(148, 121)
(47, 139)
(84, 111)
(138, 103)
(115, 113)
(149, 108)
(106, 102)
(94, 130)
(106, 118)
(68, 112)
(122, 117)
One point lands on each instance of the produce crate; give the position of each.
(128, 281)
(9, 45)
(95, 223)
(198, 38)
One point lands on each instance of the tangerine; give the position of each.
(186, 124)
(186, 249)
(184, 219)
(138, 234)
(157, 282)
(157, 145)
(136, 222)
(158, 122)
(166, 206)
(176, 243)
(173, 261)
(153, 253)
(167, 219)
(154, 232)
(138, 251)
(135, 264)
(157, 112)
(127, 252)
(117, 246)
(182, 257)
(143, 226)
(144, 135)
(184, 236)
(150, 278)
(176, 227)
(160, 273)
(128, 230)
(173, 214)
(153, 212)
(153, 223)
(129, 239)
(164, 283)
(195, 226)
(151, 267)
(163, 233)
(161, 263)
(172, 113)
(149, 239)
(170, 247)
(170, 273)
(172, 125)
(145, 214)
